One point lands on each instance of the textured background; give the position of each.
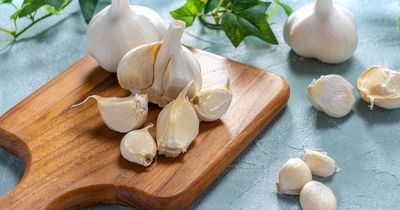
(365, 144)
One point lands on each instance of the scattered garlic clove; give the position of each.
(121, 114)
(138, 146)
(177, 126)
(119, 28)
(293, 176)
(320, 163)
(331, 94)
(317, 196)
(380, 86)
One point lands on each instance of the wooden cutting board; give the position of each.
(73, 160)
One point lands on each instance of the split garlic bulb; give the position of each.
(320, 163)
(161, 69)
(331, 94)
(323, 31)
(122, 114)
(293, 176)
(138, 146)
(119, 28)
(317, 196)
(177, 126)
(380, 86)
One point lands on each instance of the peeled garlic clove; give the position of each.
(320, 163)
(293, 176)
(317, 196)
(122, 114)
(139, 147)
(211, 104)
(119, 28)
(177, 126)
(331, 94)
(323, 30)
(380, 86)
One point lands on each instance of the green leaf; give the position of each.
(5, 1)
(30, 6)
(188, 12)
(88, 8)
(288, 10)
(240, 5)
(210, 6)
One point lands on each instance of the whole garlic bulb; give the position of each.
(317, 196)
(177, 126)
(138, 146)
(380, 86)
(119, 28)
(331, 94)
(320, 163)
(121, 114)
(323, 31)
(293, 176)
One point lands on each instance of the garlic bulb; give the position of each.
(138, 146)
(323, 31)
(177, 126)
(119, 28)
(293, 176)
(161, 69)
(320, 163)
(317, 196)
(380, 86)
(331, 94)
(121, 114)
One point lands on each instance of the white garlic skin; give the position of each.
(293, 176)
(320, 163)
(331, 94)
(323, 30)
(317, 196)
(138, 146)
(380, 86)
(119, 28)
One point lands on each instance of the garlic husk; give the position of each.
(177, 126)
(138, 146)
(293, 176)
(121, 114)
(320, 163)
(119, 28)
(323, 30)
(380, 86)
(317, 196)
(331, 94)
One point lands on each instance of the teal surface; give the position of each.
(365, 144)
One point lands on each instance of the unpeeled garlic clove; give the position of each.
(122, 114)
(331, 94)
(293, 176)
(138, 146)
(320, 163)
(317, 196)
(380, 86)
(177, 126)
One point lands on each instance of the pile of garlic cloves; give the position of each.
(152, 64)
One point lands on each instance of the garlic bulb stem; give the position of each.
(323, 6)
(119, 7)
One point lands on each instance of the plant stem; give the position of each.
(272, 11)
(31, 24)
(8, 31)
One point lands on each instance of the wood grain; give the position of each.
(72, 159)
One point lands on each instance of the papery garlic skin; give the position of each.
(380, 86)
(138, 146)
(293, 176)
(122, 114)
(331, 94)
(320, 163)
(177, 126)
(119, 28)
(317, 196)
(323, 31)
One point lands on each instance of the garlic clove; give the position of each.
(138, 146)
(380, 86)
(320, 163)
(317, 196)
(293, 176)
(121, 114)
(211, 104)
(331, 94)
(177, 126)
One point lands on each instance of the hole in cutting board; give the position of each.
(11, 171)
